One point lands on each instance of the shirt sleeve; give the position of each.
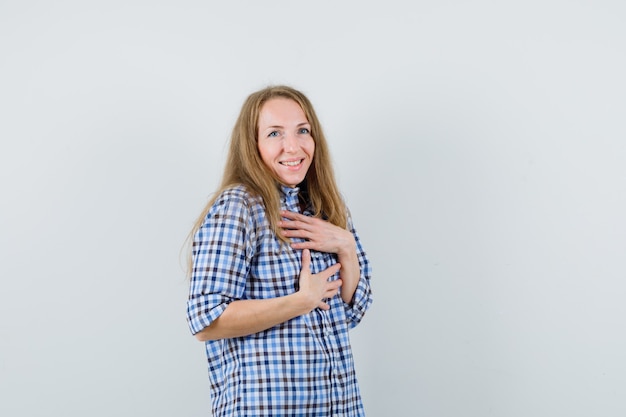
(221, 254)
(362, 298)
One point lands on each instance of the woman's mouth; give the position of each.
(292, 163)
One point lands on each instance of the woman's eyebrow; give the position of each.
(282, 127)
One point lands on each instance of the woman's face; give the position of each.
(285, 142)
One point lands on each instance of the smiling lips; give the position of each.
(292, 163)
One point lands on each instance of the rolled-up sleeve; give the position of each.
(221, 254)
(362, 298)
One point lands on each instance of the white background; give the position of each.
(480, 146)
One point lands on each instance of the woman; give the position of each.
(278, 272)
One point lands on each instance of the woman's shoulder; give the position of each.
(238, 195)
(238, 191)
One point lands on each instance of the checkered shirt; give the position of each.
(302, 367)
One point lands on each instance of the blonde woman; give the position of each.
(278, 273)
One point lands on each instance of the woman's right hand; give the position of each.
(315, 287)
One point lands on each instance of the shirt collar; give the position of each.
(289, 191)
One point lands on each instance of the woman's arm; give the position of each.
(245, 317)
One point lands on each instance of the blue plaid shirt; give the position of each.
(302, 367)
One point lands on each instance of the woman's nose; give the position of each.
(290, 142)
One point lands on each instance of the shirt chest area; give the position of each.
(275, 264)
(273, 257)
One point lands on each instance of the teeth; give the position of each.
(292, 163)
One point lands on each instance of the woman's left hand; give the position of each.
(319, 234)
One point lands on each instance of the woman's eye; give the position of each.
(274, 134)
(304, 131)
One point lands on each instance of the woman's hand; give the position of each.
(323, 236)
(315, 287)
(319, 234)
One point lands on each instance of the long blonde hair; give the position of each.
(245, 166)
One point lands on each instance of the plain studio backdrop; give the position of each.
(479, 144)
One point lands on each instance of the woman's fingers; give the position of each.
(317, 286)
(317, 234)
(330, 271)
(306, 260)
(292, 215)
